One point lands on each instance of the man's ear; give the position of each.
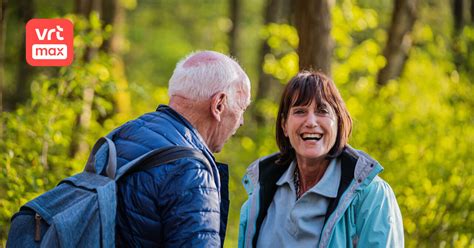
(218, 104)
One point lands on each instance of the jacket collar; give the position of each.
(359, 164)
(171, 112)
(327, 185)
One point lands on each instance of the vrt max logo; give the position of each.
(49, 42)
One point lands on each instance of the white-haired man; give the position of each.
(182, 203)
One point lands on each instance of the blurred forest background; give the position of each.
(404, 67)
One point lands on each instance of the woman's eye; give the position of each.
(323, 111)
(298, 111)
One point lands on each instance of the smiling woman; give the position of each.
(317, 191)
(312, 133)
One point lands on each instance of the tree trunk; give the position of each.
(472, 12)
(267, 85)
(458, 15)
(265, 81)
(462, 16)
(24, 74)
(78, 143)
(458, 24)
(234, 12)
(313, 22)
(114, 14)
(110, 9)
(96, 6)
(83, 7)
(85, 117)
(399, 40)
(3, 28)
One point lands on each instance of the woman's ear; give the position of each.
(218, 104)
(283, 126)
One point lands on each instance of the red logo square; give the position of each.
(49, 42)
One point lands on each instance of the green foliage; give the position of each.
(423, 139)
(283, 40)
(419, 127)
(162, 32)
(35, 149)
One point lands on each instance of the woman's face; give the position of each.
(312, 130)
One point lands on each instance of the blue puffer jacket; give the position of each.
(172, 205)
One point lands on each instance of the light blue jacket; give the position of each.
(364, 214)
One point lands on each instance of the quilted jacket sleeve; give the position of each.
(174, 205)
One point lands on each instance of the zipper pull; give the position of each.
(37, 227)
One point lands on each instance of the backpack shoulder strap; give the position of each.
(111, 164)
(161, 156)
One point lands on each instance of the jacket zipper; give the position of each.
(37, 227)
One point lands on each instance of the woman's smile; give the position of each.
(311, 136)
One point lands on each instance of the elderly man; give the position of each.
(182, 203)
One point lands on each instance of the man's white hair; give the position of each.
(202, 74)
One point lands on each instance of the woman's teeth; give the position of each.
(311, 136)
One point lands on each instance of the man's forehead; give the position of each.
(201, 58)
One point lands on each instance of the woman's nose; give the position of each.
(311, 120)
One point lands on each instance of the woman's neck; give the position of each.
(310, 173)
